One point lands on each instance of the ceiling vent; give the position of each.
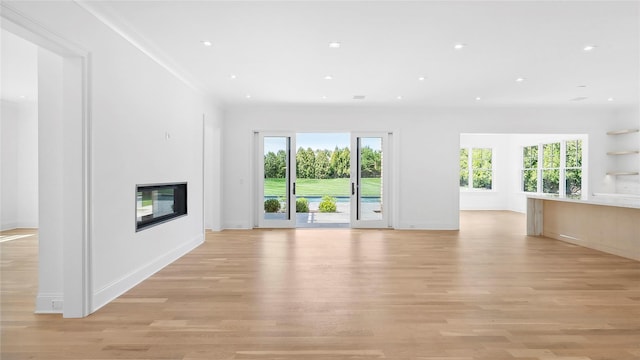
(358, 97)
(579, 98)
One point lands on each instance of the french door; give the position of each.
(277, 180)
(369, 185)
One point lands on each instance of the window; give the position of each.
(464, 168)
(476, 168)
(530, 168)
(159, 203)
(553, 168)
(573, 169)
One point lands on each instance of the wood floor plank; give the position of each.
(485, 292)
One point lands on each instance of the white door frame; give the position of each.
(356, 219)
(77, 228)
(290, 211)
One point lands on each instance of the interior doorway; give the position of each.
(322, 180)
(63, 152)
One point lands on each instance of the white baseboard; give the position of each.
(118, 287)
(18, 225)
(49, 303)
(27, 225)
(238, 225)
(8, 226)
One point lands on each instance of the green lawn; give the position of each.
(321, 187)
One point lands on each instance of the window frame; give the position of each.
(565, 168)
(523, 169)
(543, 168)
(562, 169)
(470, 169)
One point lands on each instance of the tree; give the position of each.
(321, 164)
(551, 168)
(464, 168)
(270, 165)
(370, 162)
(275, 165)
(305, 163)
(334, 163)
(282, 164)
(530, 166)
(573, 174)
(344, 163)
(482, 169)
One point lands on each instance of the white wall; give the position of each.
(28, 167)
(51, 180)
(427, 149)
(147, 128)
(624, 120)
(213, 170)
(19, 204)
(9, 152)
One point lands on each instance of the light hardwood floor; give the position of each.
(485, 292)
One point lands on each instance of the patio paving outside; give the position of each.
(339, 219)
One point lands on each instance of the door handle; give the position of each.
(294, 188)
(353, 188)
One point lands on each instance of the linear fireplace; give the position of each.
(159, 203)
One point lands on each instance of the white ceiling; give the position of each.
(279, 51)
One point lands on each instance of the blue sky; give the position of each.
(322, 141)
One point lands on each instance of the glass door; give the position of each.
(277, 176)
(369, 191)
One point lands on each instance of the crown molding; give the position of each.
(125, 30)
(30, 30)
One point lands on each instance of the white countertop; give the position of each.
(630, 201)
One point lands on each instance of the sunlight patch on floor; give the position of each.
(5, 238)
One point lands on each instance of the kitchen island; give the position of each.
(607, 224)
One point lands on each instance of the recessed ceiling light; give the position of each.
(459, 46)
(610, 99)
(520, 79)
(206, 42)
(334, 44)
(23, 96)
(248, 96)
(478, 98)
(324, 97)
(328, 77)
(589, 47)
(421, 78)
(399, 97)
(579, 98)
(232, 76)
(582, 86)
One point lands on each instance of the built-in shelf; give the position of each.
(624, 131)
(626, 152)
(623, 152)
